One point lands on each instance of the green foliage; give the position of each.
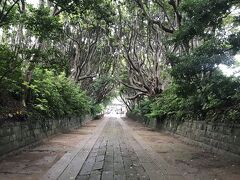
(51, 58)
(9, 13)
(97, 109)
(215, 100)
(42, 24)
(143, 109)
(200, 15)
(98, 9)
(56, 95)
(38, 44)
(170, 106)
(10, 70)
(38, 50)
(199, 91)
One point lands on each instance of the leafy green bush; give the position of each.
(215, 99)
(142, 110)
(56, 95)
(96, 109)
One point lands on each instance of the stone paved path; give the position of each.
(112, 157)
(115, 148)
(113, 152)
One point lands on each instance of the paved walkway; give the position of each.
(113, 148)
(112, 157)
(113, 152)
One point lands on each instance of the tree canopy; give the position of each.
(70, 57)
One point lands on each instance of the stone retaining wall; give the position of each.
(15, 135)
(212, 136)
(149, 122)
(220, 136)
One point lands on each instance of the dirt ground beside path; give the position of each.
(193, 162)
(31, 164)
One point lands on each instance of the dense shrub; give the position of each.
(56, 95)
(216, 99)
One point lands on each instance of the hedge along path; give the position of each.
(70, 164)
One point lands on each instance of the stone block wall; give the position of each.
(15, 135)
(217, 137)
(220, 136)
(149, 122)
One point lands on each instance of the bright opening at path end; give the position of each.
(116, 108)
